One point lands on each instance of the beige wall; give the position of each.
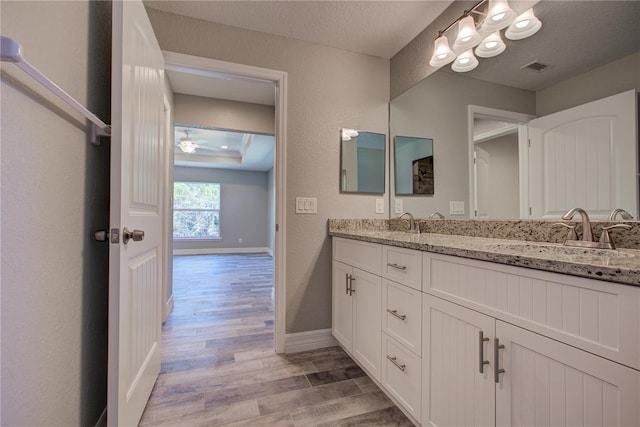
(609, 79)
(54, 195)
(327, 89)
(197, 110)
(437, 108)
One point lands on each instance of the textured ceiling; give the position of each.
(379, 28)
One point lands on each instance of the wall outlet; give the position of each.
(379, 206)
(456, 208)
(399, 206)
(306, 205)
(240, 240)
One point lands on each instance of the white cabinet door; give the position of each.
(454, 391)
(547, 383)
(342, 312)
(585, 156)
(367, 320)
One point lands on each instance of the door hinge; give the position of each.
(529, 142)
(529, 210)
(115, 235)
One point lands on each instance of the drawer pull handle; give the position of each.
(399, 366)
(481, 340)
(497, 371)
(399, 316)
(399, 267)
(351, 280)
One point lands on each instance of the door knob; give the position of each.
(101, 235)
(135, 235)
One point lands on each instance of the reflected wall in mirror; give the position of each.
(413, 165)
(439, 106)
(362, 161)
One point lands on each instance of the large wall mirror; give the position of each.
(482, 120)
(362, 161)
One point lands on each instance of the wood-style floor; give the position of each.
(219, 367)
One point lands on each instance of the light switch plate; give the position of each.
(399, 206)
(306, 205)
(456, 208)
(379, 206)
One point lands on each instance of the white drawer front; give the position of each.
(597, 316)
(403, 266)
(363, 255)
(402, 375)
(402, 314)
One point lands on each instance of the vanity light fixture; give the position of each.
(495, 16)
(187, 147)
(347, 134)
(525, 25)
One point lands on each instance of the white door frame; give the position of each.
(523, 151)
(215, 68)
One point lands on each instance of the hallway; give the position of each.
(219, 367)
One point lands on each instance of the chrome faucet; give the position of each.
(437, 215)
(587, 235)
(624, 214)
(412, 223)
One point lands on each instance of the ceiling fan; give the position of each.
(188, 145)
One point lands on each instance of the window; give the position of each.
(196, 210)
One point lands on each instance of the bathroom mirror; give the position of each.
(413, 165)
(362, 161)
(583, 64)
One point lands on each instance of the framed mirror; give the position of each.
(362, 161)
(413, 165)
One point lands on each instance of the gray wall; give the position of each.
(244, 207)
(318, 79)
(55, 193)
(197, 110)
(609, 79)
(437, 108)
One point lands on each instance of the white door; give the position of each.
(547, 383)
(454, 390)
(482, 182)
(135, 267)
(585, 157)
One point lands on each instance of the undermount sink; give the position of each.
(556, 250)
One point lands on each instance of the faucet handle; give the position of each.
(571, 235)
(606, 238)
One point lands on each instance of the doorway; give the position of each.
(196, 68)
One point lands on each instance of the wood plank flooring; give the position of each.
(219, 367)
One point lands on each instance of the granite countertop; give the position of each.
(620, 265)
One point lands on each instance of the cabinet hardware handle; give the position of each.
(496, 369)
(399, 316)
(351, 280)
(399, 267)
(346, 283)
(399, 366)
(481, 340)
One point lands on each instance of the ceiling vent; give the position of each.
(535, 66)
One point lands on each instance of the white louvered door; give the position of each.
(547, 383)
(135, 268)
(454, 392)
(585, 157)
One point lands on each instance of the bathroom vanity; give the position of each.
(462, 330)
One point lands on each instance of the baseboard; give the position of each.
(168, 307)
(216, 251)
(102, 421)
(311, 340)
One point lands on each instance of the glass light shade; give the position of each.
(467, 36)
(442, 53)
(524, 26)
(491, 46)
(187, 146)
(347, 134)
(466, 61)
(499, 16)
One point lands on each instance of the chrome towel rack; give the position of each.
(12, 52)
